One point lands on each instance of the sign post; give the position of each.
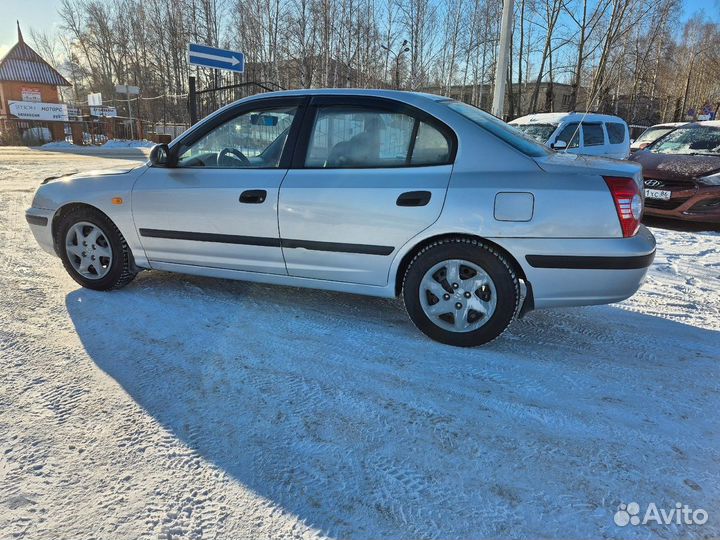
(192, 100)
(127, 90)
(213, 58)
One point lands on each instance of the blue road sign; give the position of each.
(202, 55)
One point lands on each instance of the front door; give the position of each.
(368, 175)
(217, 206)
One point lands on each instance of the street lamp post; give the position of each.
(498, 106)
(403, 49)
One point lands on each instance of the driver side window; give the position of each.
(570, 134)
(252, 140)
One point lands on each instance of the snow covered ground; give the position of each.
(183, 407)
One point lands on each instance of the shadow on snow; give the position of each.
(338, 410)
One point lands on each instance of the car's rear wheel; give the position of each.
(93, 250)
(461, 292)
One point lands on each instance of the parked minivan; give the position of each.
(579, 133)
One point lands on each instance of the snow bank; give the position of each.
(124, 143)
(59, 145)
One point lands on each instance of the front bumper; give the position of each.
(701, 203)
(40, 222)
(583, 271)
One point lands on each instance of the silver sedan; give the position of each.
(364, 191)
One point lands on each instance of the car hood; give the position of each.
(668, 166)
(93, 174)
(563, 162)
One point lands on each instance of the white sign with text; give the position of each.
(28, 110)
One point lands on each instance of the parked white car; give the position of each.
(364, 191)
(589, 134)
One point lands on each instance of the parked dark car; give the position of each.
(681, 173)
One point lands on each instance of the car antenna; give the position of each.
(582, 119)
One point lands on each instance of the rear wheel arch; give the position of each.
(417, 248)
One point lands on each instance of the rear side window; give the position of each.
(431, 146)
(593, 135)
(363, 137)
(616, 132)
(570, 134)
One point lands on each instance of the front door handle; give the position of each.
(414, 198)
(253, 196)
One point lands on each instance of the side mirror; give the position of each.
(160, 155)
(559, 145)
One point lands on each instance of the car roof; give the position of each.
(401, 95)
(557, 117)
(668, 125)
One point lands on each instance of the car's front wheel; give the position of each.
(461, 292)
(93, 250)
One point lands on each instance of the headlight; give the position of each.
(712, 180)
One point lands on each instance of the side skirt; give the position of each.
(276, 279)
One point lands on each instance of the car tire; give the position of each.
(470, 307)
(113, 269)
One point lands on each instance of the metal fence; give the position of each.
(89, 131)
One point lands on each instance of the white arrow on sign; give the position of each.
(232, 60)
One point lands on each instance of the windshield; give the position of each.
(497, 127)
(653, 134)
(539, 132)
(690, 141)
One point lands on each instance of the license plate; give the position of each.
(660, 194)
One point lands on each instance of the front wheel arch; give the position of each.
(71, 207)
(65, 209)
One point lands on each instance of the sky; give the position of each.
(42, 15)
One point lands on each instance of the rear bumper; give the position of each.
(582, 271)
(40, 222)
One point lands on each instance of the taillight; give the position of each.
(628, 203)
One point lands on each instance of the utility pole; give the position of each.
(127, 88)
(498, 106)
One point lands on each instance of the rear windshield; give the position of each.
(514, 137)
(539, 132)
(690, 141)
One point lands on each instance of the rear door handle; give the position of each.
(253, 196)
(414, 198)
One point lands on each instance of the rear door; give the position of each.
(368, 175)
(618, 139)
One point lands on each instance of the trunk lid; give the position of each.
(566, 163)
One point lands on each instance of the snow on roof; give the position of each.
(557, 117)
(23, 64)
